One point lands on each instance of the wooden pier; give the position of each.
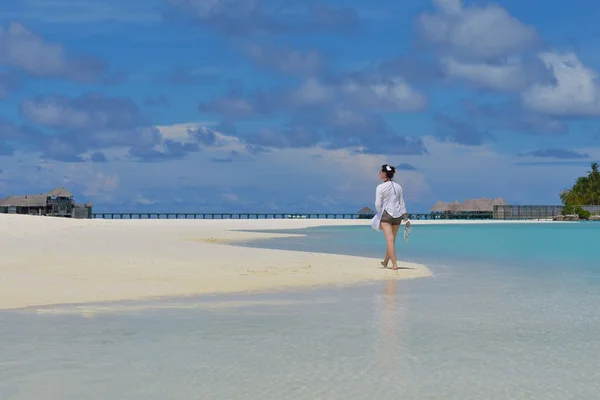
(175, 215)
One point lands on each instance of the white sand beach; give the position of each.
(49, 261)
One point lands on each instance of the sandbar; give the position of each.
(51, 261)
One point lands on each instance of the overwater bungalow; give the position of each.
(443, 207)
(57, 203)
(470, 206)
(366, 213)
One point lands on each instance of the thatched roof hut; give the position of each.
(442, 206)
(480, 205)
(499, 202)
(365, 213)
(36, 200)
(60, 192)
(469, 205)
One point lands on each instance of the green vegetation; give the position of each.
(585, 192)
(571, 210)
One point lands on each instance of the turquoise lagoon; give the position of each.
(511, 312)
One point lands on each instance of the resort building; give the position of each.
(366, 213)
(470, 206)
(58, 203)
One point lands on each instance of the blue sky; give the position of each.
(287, 106)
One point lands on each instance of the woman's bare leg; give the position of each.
(385, 261)
(389, 239)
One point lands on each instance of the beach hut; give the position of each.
(60, 193)
(476, 206)
(453, 205)
(470, 206)
(82, 211)
(481, 206)
(499, 202)
(366, 213)
(443, 207)
(440, 207)
(29, 204)
(485, 205)
(466, 206)
(60, 202)
(500, 211)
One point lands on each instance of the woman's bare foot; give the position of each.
(395, 267)
(384, 264)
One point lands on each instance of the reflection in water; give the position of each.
(392, 311)
(463, 337)
(389, 310)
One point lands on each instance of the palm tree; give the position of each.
(585, 191)
(594, 186)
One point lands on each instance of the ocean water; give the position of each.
(512, 312)
(546, 245)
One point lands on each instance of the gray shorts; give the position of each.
(386, 217)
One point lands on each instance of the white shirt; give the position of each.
(390, 194)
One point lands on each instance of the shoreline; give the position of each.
(59, 261)
(54, 261)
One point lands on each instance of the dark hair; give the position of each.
(389, 170)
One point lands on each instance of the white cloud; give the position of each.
(291, 180)
(180, 132)
(476, 32)
(230, 197)
(101, 185)
(27, 51)
(145, 201)
(489, 48)
(576, 91)
(380, 95)
(302, 177)
(391, 95)
(23, 49)
(56, 114)
(506, 77)
(483, 45)
(451, 7)
(312, 92)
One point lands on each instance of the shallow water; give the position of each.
(476, 330)
(533, 244)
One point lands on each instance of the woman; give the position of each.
(388, 197)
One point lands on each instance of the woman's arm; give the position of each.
(378, 199)
(403, 206)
